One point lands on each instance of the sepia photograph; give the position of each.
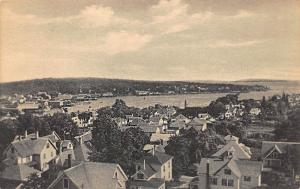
(149, 94)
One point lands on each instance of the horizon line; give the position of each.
(146, 80)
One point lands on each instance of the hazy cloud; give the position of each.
(232, 44)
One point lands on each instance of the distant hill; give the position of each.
(118, 86)
(264, 80)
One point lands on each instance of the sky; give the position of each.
(150, 39)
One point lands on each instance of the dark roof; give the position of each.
(158, 157)
(27, 147)
(92, 175)
(18, 172)
(281, 146)
(238, 167)
(152, 183)
(240, 151)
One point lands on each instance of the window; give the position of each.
(230, 182)
(48, 145)
(164, 168)
(66, 183)
(28, 159)
(140, 176)
(214, 181)
(227, 172)
(44, 156)
(169, 164)
(139, 167)
(51, 154)
(224, 182)
(247, 178)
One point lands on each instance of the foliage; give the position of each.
(216, 108)
(118, 87)
(189, 147)
(59, 122)
(230, 128)
(7, 134)
(289, 129)
(36, 182)
(115, 146)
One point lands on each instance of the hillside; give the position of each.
(119, 87)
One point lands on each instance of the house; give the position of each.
(83, 146)
(255, 111)
(91, 175)
(56, 103)
(274, 153)
(152, 171)
(217, 173)
(83, 119)
(120, 121)
(198, 124)
(158, 120)
(134, 121)
(161, 137)
(233, 149)
(30, 108)
(178, 124)
(181, 117)
(204, 116)
(27, 155)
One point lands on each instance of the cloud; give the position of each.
(231, 44)
(117, 42)
(173, 16)
(100, 16)
(89, 17)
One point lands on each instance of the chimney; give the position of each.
(69, 160)
(207, 175)
(25, 134)
(58, 147)
(144, 164)
(37, 134)
(20, 137)
(153, 150)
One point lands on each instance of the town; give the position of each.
(231, 143)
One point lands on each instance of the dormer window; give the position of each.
(247, 178)
(66, 183)
(227, 171)
(140, 176)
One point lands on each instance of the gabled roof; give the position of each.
(197, 122)
(155, 119)
(82, 151)
(152, 183)
(159, 158)
(92, 175)
(231, 138)
(160, 136)
(240, 151)
(238, 167)
(268, 146)
(28, 147)
(87, 136)
(178, 124)
(180, 116)
(18, 172)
